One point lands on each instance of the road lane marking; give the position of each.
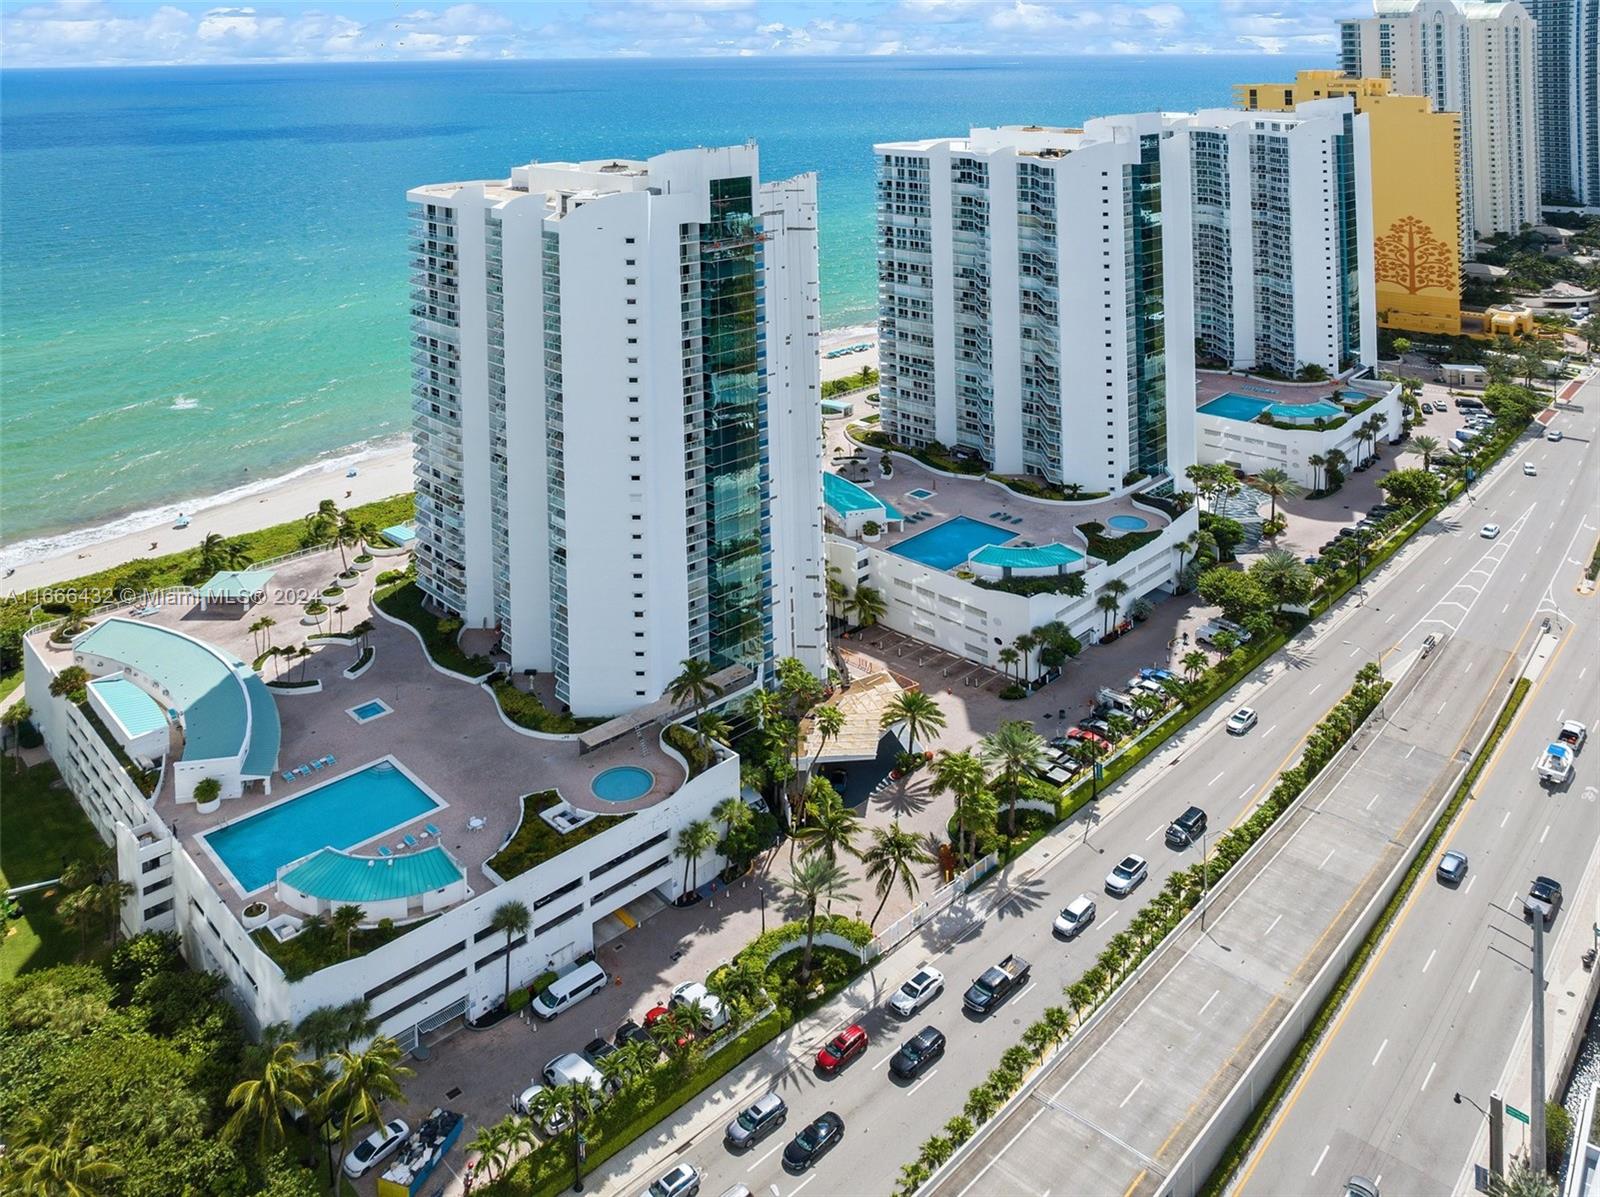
(1270, 926)
(1327, 858)
(1248, 790)
(1131, 1092)
(1443, 705)
(1106, 922)
(1379, 1054)
(1524, 577)
(887, 1056)
(1268, 732)
(1429, 1077)
(920, 1083)
(1470, 880)
(1545, 833)
(1429, 960)
(1504, 609)
(1474, 983)
(1313, 689)
(1421, 588)
(765, 1158)
(1355, 649)
(803, 1184)
(1209, 1000)
(1392, 614)
(1370, 801)
(1216, 779)
(1320, 1158)
(1154, 833)
(1504, 818)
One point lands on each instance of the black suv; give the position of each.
(917, 1053)
(1544, 896)
(1186, 828)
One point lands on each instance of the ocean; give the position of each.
(204, 269)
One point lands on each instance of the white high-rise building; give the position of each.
(616, 410)
(1034, 309)
(1283, 249)
(1478, 59)
(1569, 99)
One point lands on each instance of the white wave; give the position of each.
(184, 403)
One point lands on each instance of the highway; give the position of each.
(1449, 580)
(1438, 1011)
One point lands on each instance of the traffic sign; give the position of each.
(1517, 1114)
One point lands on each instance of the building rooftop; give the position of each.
(132, 708)
(234, 585)
(341, 877)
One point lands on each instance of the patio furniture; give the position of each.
(431, 829)
(316, 764)
(409, 840)
(329, 761)
(302, 771)
(288, 776)
(477, 823)
(383, 850)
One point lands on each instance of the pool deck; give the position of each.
(447, 733)
(977, 498)
(1213, 384)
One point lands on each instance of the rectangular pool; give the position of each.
(337, 814)
(947, 545)
(1246, 407)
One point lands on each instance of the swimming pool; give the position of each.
(846, 498)
(1246, 407)
(342, 813)
(947, 545)
(920, 493)
(374, 708)
(1128, 523)
(622, 784)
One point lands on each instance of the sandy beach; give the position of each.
(379, 474)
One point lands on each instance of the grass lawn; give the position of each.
(43, 830)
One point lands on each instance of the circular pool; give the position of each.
(622, 784)
(1128, 523)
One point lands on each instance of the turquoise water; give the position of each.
(1247, 407)
(1128, 523)
(205, 267)
(947, 545)
(1039, 556)
(340, 814)
(369, 710)
(622, 784)
(846, 497)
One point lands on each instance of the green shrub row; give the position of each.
(1244, 1142)
(1153, 922)
(535, 841)
(700, 755)
(404, 601)
(1114, 548)
(525, 710)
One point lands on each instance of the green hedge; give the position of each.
(535, 841)
(318, 948)
(1114, 548)
(688, 745)
(1244, 1142)
(404, 601)
(525, 710)
(1039, 488)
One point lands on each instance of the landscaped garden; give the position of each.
(535, 841)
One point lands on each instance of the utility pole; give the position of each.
(1497, 1134)
(1205, 887)
(1536, 1108)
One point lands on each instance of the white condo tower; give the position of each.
(616, 412)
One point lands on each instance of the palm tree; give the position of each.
(12, 719)
(1013, 748)
(868, 606)
(1427, 446)
(1194, 663)
(694, 684)
(1008, 657)
(816, 879)
(67, 1167)
(70, 683)
(1116, 588)
(1107, 603)
(918, 712)
(339, 612)
(1087, 753)
(570, 1103)
(1186, 548)
(1336, 460)
(832, 828)
(828, 722)
(962, 775)
(889, 863)
(363, 1081)
(1283, 575)
(1025, 643)
(838, 597)
(1316, 461)
(330, 1027)
(217, 552)
(694, 840)
(344, 922)
(346, 534)
(1276, 482)
(493, 1147)
(282, 1092)
(321, 523)
(733, 811)
(512, 918)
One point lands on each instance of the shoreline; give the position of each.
(383, 469)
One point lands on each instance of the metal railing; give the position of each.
(901, 929)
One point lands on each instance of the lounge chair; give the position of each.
(328, 761)
(430, 829)
(383, 850)
(410, 841)
(302, 771)
(288, 776)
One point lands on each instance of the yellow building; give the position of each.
(1416, 194)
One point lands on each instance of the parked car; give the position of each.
(1099, 727)
(1242, 721)
(713, 1014)
(922, 988)
(1453, 867)
(1489, 531)
(598, 1049)
(1125, 878)
(1544, 895)
(921, 1050)
(568, 990)
(1095, 738)
(682, 1181)
(1160, 675)
(1186, 828)
(631, 1032)
(814, 1142)
(553, 1123)
(1427, 408)
(570, 1068)
(1077, 915)
(756, 1122)
(376, 1147)
(847, 1045)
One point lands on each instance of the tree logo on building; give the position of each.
(1410, 256)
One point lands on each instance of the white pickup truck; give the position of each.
(1555, 766)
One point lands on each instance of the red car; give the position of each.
(845, 1047)
(1098, 741)
(655, 1014)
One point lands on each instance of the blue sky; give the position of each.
(92, 33)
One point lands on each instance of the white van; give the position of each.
(567, 991)
(714, 1016)
(570, 1068)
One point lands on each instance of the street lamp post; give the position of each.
(1205, 880)
(1537, 1094)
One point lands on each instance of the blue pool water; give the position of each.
(339, 814)
(1246, 407)
(947, 545)
(846, 497)
(622, 784)
(1128, 523)
(369, 710)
